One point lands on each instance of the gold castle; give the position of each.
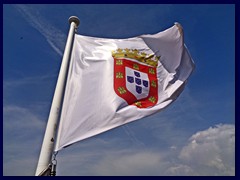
(149, 59)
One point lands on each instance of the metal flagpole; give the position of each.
(50, 133)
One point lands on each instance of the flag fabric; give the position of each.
(112, 82)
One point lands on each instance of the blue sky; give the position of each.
(193, 136)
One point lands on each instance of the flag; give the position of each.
(112, 82)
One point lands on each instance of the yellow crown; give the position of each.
(149, 59)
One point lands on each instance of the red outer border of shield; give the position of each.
(121, 82)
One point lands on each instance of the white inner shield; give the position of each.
(137, 83)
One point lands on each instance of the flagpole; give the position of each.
(51, 128)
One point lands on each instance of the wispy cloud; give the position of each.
(26, 81)
(21, 88)
(20, 166)
(212, 154)
(54, 36)
(130, 163)
(208, 152)
(17, 117)
(21, 142)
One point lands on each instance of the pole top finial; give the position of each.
(75, 20)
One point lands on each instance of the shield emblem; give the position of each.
(135, 82)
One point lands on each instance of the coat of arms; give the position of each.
(135, 77)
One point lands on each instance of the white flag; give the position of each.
(112, 82)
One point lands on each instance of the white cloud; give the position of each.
(209, 152)
(54, 36)
(179, 170)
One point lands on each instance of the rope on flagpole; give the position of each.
(54, 164)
